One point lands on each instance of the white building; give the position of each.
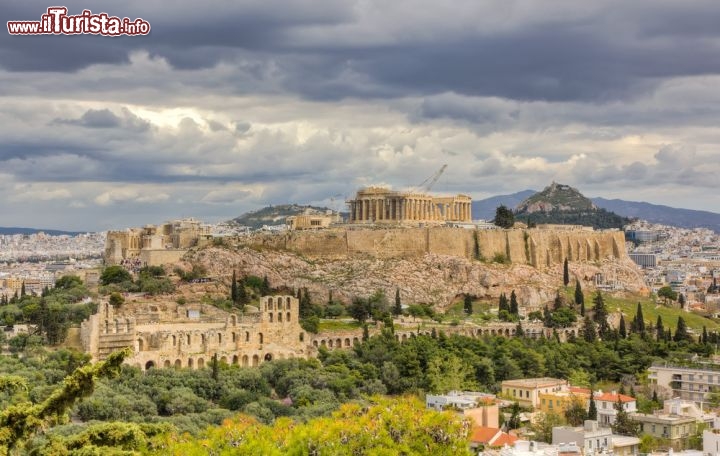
(606, 402)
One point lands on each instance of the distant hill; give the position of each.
(654, 213)
(484, 209)
(562, 204)
(274, 215)
(18, 230)
(666, 215)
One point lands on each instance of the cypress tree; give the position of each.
(566, 273)
(514, 309)
(681, 333)
(589, 332)
(622, 330)
(681, 300)
(659, 330)
(519, 332)
(600, 315)
(638, 323)
(397, 310)
(330, 298)
(704, 338)
(234, 295)
(468, 304)
(579, 297)
(557, 304)
(366, 332)
(305, 305)
(265, 287)
(22, 290)
(503, 304)
(592, 410)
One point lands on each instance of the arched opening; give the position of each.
(166, 363)
(141, 346)
(235, 360)
(201, 363)
(219, 338)
(404, 337)
(271, 318)
(330, 343)
(255, 360)
(202, 339)
(107, 327)
(355, 341)
(260, 337)
(268, 357)
(302, 337)
(178, 364)
(287, 303)
(338, 343)
(233, 320)
(174, 340)
(107, 310)
(117, 326)
(315, 344)
(223, 359)
(247, 336)
(347, 342)
(322, 342)
(188, 339)
(149, 365)
(270, 304)
(279, 317)
(234, 337)
(287, 316)
(245, 360)
(190, 363)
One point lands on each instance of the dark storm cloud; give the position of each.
(603, 57)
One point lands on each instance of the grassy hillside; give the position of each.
(651, 310)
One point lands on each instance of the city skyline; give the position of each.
(225, 108)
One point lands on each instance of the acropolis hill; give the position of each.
(429, 265)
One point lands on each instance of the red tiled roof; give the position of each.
(484, 434)
(610, 397)
(492, 436)
(577, 389)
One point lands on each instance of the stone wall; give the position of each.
(539, 248)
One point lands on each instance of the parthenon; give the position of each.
(382, 205)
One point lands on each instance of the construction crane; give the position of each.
(428, 183)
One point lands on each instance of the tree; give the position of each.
(116, 299)
(519, 332)
(667, 293)
(22, 290)
(592, 409)
(681, 300)
(397, 309)
(704, 338)
(623, 424)
(265, 287)
(514, 308)
(557, 303)
(305, 306)
(468, 304)
(359, 309)
(622, 331)
(503, 303)
(242, 296)
(114, 274)
(600, 314)
(504, 217)
(576, 414)
(451, 374)
(589, 332)
(659, 331)
(67, 282)
(19, 421)
(681, 332)
(566, 273)
(637, 325)
(514, 421)
(234, 293)
(579, 297)
(542, 425)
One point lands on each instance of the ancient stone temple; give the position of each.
(382, 205)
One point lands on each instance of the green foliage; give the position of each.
(114, 274)
(600, 219)
(566, 273)
(116, 299)
(311, 324)
(67, 282)
(467, 304)
(504, 217)
(667, 293)
(623, 424)
(198, 271)
(500, 258)
(543, 424)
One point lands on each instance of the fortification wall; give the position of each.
(160, 257)
(539, 248)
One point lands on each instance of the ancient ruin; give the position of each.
(155, 244)
(382, 205)
(174, 335)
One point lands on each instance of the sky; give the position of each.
(227, 106)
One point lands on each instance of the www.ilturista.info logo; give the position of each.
(57, 22)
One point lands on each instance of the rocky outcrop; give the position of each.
(428, 278)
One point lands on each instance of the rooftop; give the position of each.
(534, 382)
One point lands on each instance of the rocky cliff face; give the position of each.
(431, 278)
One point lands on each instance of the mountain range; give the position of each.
(654, 213)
